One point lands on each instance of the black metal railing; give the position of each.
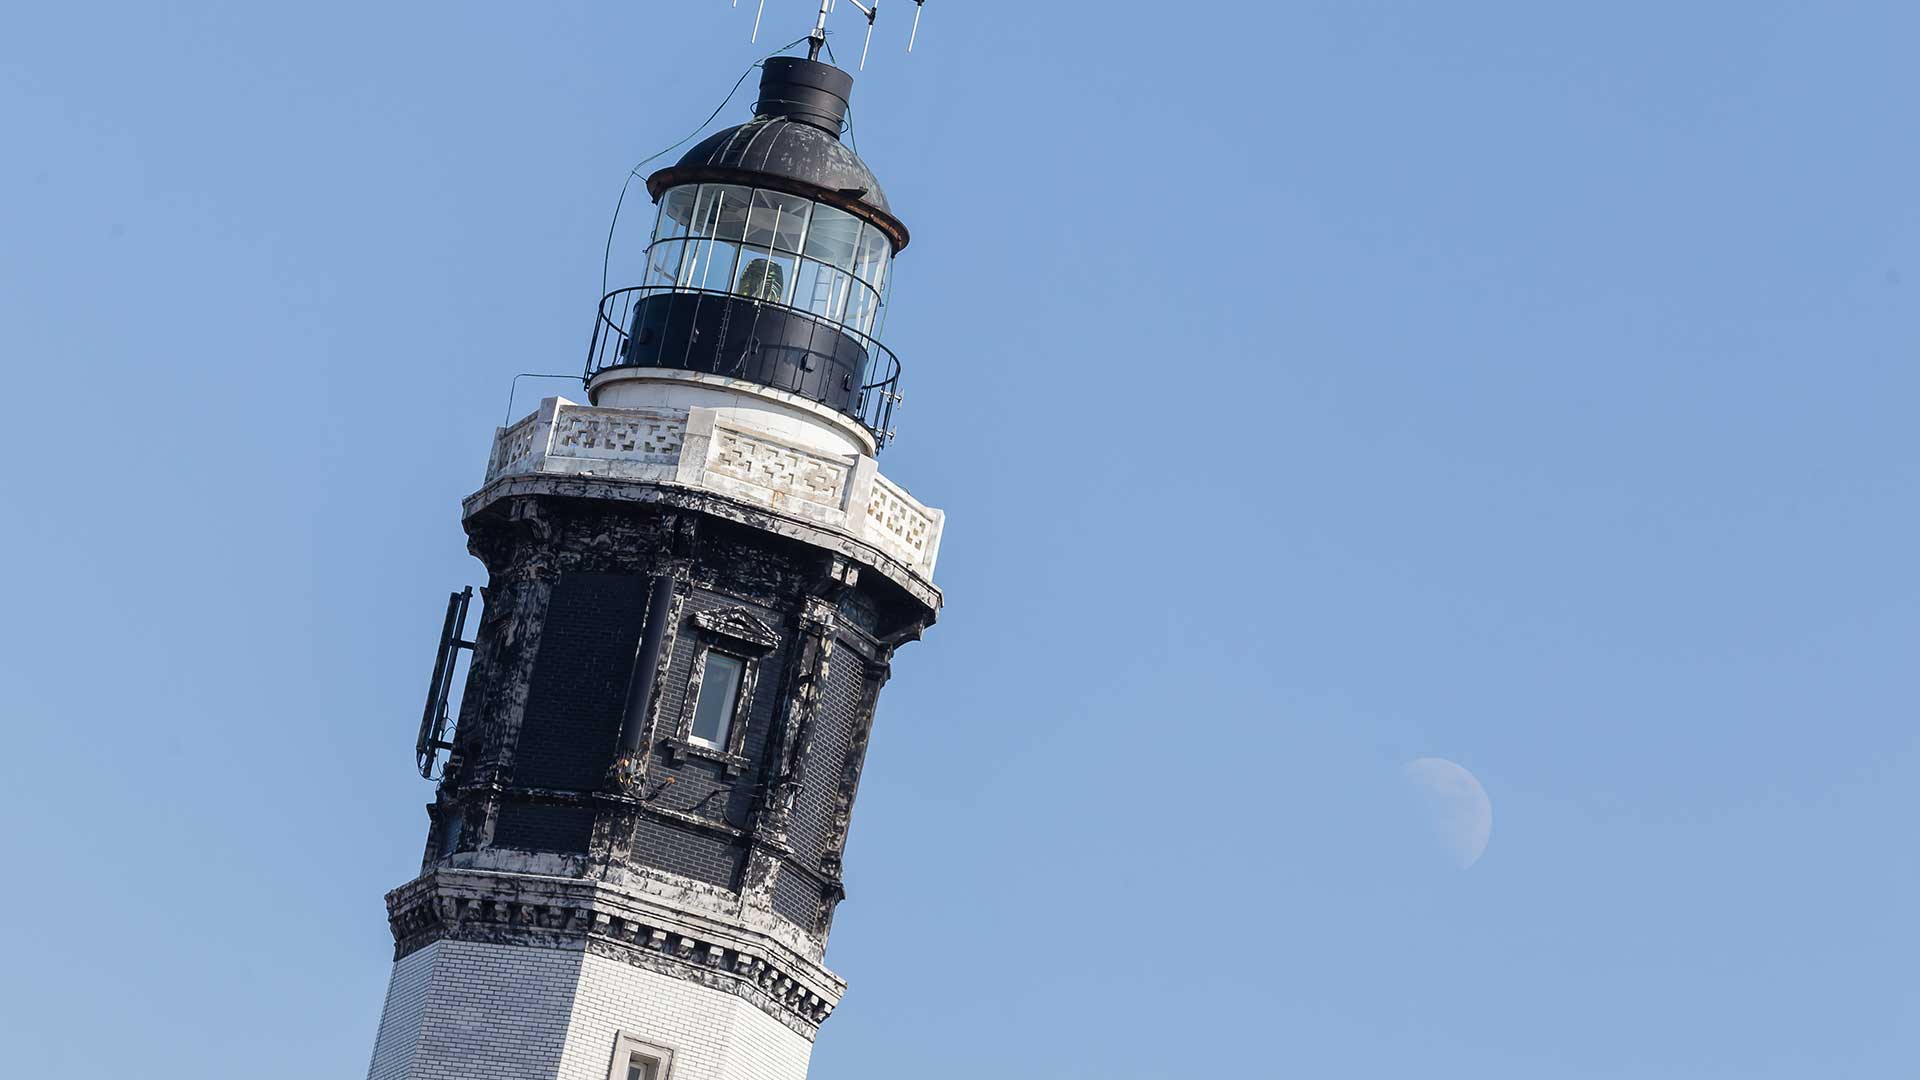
(761, 341)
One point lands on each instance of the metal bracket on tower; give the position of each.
(435, 721)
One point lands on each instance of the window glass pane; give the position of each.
(778, 221)
(663, 262)
(643, 1068)
(719, 691)
(870, 265)
(861, 308)
(765, 277)
(676, 212)
(709, 265)
(821, 289)
(833, 236)
(722, 211)
(886, 301)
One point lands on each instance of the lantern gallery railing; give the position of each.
(744, 337)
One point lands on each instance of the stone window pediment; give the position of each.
(738, 627)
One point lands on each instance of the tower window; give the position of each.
(730, 647)
(719, 697)
(641, 1067)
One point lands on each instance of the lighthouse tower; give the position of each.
(696, 581)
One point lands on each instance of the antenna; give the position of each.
(435, 721)
(756, 18)
(871, 13)
(818, 35)
(816, 38)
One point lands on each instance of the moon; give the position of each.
(1453, 806)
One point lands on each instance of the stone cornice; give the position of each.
(666, 494)
(571, 913)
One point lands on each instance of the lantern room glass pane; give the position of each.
(709, 265)
(870, 264)
(778, 223)
(676, 212)
(722, 211)
(833, 237)
(861, 308)
(663, 263)
(821, 289)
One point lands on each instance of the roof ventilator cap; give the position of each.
(805, 91)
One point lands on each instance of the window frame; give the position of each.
(626, 1047)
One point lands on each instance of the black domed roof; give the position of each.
(793, 144)
(793, 150)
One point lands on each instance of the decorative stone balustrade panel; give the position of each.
(618, 434)
(513, 446)
(898, 517)
(783, 470)
(727, 455)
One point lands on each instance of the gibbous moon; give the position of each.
(1453, 806)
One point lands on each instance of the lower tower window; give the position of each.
(637, 1060)
(719, 697)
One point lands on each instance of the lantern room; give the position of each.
(769, 262)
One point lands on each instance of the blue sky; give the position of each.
(1311, 387)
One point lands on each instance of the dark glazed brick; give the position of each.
(840, 701)
(797, 900)
(682, 851)
(579, 686)
(532, 827)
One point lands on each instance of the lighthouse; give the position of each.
(696, 580)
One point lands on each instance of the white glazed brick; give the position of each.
(495, 1012)
(474, 1011)
(713, 1034)
(399, 1037)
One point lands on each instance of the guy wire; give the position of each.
(606, 258)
